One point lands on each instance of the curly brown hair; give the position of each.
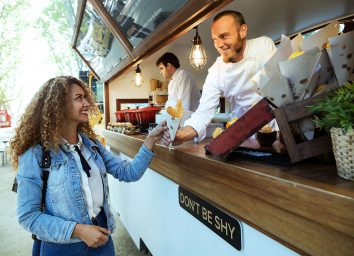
(44, 118)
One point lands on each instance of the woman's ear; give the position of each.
(243, 31)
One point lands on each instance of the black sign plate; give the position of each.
(225, 226)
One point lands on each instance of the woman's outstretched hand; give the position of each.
(159, 132)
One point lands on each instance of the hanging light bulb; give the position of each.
(197, 57)
(138, 77)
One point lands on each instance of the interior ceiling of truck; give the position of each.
(276, 17)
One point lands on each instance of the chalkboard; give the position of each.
(96, 43)
(138, 18)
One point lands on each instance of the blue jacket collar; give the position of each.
(92, 144)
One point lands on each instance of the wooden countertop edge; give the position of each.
(310, 220)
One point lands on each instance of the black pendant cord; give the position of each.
(83, 161)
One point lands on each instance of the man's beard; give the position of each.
(234, 53)
(235, 50)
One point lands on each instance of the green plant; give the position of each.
(337, 109)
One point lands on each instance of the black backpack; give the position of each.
(45, 165)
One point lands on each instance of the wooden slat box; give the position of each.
(303, 150)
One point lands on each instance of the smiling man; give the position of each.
(231, 74)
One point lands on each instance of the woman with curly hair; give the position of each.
(77, 219)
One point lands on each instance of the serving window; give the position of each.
(96, 45)
(112, 35)
(137, 18)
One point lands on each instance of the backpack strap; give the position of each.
(14, 185)
(46, 160)
(45, 165)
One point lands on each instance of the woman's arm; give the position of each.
(133, 170)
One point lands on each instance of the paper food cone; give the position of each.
(277, 90)
(299, 71)
(271, 67)
(319, 39)
(341, 54)
(323, 79)
(313, 83)
(261, 80)
(283, 52)
(326, 71)
(296, 42)
(172, 124)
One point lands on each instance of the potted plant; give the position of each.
(336, 114)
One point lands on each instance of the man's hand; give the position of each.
(93, 236)
(182, 135)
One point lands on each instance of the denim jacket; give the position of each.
(64, 202)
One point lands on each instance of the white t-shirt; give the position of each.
(234, 82)
(182, 86)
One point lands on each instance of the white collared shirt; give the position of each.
(92, 186)
(234, 82)
(182, 86)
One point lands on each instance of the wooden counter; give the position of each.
(306, 207)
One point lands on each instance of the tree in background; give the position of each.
(35, 45)
(56, 24)
(13, 22)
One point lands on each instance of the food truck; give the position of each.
(5, 118)
(190, 202)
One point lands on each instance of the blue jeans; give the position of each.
(80, 249)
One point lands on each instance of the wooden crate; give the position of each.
(306, 149)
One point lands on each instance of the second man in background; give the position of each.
(181, 85)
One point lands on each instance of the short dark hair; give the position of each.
(238, 17)
(168, 57)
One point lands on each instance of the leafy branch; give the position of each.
(337, 109)
(56, 26)
(13, 20)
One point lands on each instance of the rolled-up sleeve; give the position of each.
(208, 103)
